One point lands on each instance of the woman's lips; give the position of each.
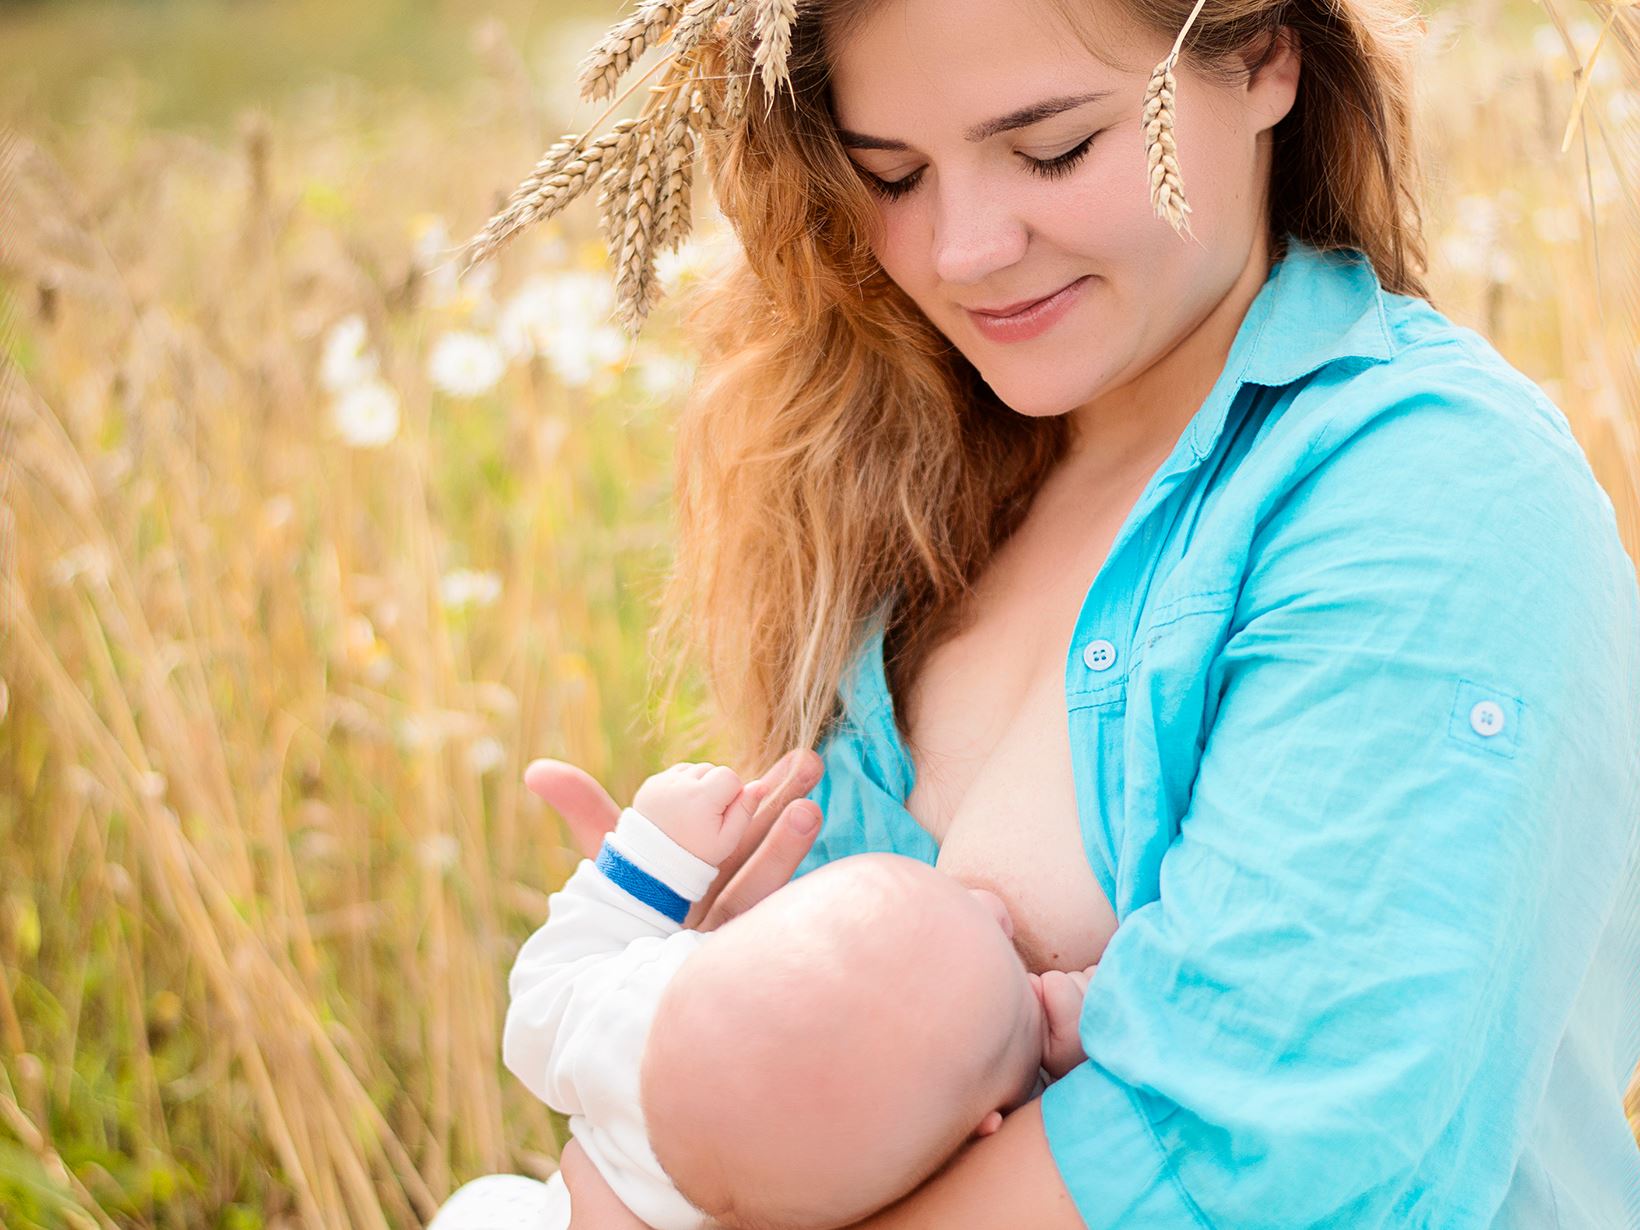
(1032, 321)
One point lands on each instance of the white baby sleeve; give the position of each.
(583, 992)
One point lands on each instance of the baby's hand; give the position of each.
(1061, 995)
(702, 807)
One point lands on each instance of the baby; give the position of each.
(805, 1064)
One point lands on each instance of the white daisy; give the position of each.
(664, 376)
(463, 587)
(439, 853)
(435, 260)
(346, 362)
(486, 755)
(366, 415)
(465, 364)
(1556, 224)
(583, 355)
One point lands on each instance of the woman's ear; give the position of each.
(1272, 87)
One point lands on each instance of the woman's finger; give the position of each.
(790, 777)
(770, 866)
(585, 805)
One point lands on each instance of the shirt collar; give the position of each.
(1315, 308)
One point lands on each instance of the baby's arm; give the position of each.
(659, 860)
(1061, 994)
(610, 919)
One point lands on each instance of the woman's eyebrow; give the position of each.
(1022, 118)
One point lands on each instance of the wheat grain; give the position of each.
(700, 18)
(1161, 154)
(627, 41)
(737, 64)
(774, 20)
(636, 220)
(528, 200)
(677, 162)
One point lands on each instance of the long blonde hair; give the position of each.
(838, 459)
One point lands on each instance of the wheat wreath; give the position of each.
(644, 166)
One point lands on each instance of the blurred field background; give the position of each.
(305, 550)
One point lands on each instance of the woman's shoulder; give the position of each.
(1444, 406)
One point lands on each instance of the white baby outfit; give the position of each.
(583, 992)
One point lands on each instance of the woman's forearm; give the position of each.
(1005, 1179)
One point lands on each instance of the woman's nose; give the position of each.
(976, 234)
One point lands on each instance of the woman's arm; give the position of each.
(1005, 1179)
(1367, 983)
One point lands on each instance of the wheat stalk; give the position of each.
(1161, 154)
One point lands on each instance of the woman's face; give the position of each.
(973, 214)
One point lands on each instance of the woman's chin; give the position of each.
(1034, 401)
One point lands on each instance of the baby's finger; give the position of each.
(771, 864)
(1062, 998)
(790, 778)
(739, 812)
(720, 784)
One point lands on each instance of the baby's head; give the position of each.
(823, 1054)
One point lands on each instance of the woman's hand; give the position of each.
(780, 834)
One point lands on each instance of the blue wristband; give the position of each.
(645, 887)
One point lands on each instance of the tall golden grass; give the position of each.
(265, 693)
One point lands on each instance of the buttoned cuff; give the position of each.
(1108, 1156)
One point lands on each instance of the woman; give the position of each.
(1249, 627)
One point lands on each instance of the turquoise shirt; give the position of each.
(1354, 714)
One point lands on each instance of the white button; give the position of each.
(1099, 655)
(1486, 717)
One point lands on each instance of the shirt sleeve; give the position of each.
(582, 996)
(1408, 830)
(601, 933)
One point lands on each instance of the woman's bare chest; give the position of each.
(991, 748)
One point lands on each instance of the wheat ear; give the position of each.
(1161, 154)
(773, 22)
(645, 165)
(613, 54)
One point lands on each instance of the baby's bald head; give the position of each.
(821, 1055)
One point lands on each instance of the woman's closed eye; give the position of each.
(1047, 168)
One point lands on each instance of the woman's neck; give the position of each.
(1129, 431)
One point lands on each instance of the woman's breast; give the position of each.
(1005, 815)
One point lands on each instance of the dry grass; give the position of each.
(267, 857)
